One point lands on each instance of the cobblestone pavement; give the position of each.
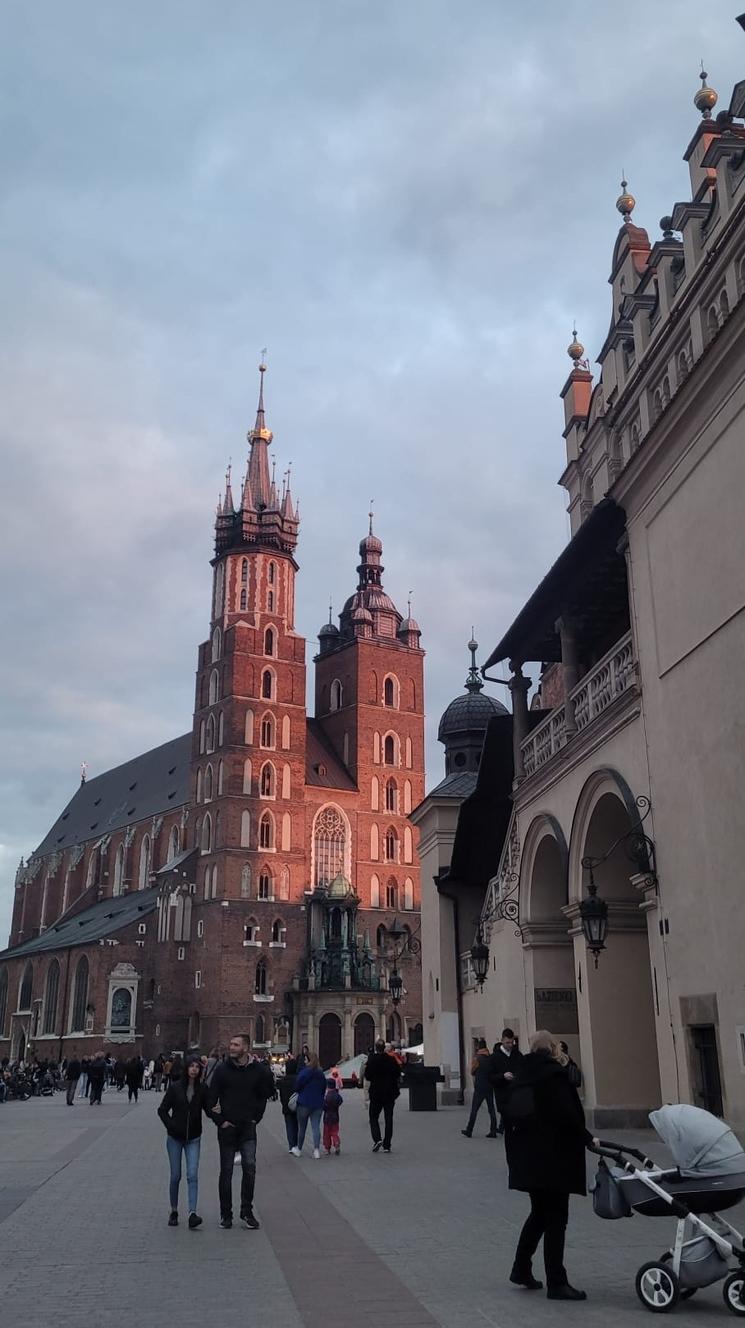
(420, 1238)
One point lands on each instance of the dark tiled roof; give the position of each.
(320, 753)
(459, 785)
(155, 782)
(103, 919)
(469, 713)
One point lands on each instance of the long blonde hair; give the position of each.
(545, 1041)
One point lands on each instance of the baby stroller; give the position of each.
(709, 1177)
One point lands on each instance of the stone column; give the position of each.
(348, 1043)
(519, 686)
(569, 669)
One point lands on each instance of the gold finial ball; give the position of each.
(625, 201)
(575, 349)
(706, 98)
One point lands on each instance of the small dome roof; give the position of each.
(470, 712)
(409, 625)
(370, 544)
(361, 614)
(328, 629)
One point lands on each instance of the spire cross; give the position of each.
(370, 514)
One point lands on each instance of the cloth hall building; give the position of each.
(242, 877)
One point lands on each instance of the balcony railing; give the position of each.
(613, 675)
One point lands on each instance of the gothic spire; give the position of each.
(227, 507)
(260, 437)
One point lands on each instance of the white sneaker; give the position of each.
(295, 1151)
(316, 1153)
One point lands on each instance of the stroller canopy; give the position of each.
(701, 1144)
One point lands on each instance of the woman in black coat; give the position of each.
(545, 1143)
(181, 1110)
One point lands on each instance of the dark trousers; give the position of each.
(237, 1139)
(549, 1214)
(482, 1095)
(387, 1110)
(96, 1090)
(71, 1085)
(133, 1091)
(291, 1128)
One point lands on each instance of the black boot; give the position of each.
(565, 1292)
(525, 1279)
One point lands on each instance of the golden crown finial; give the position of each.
(706, 98)
(625, 201)
(575, 349)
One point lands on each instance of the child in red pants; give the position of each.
(331, 1104)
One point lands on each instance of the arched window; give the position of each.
(723, 306)
(666, 391)
(374, 842)
(286, 781)
(208, 784)
(389, 750)
(260, 1031)
(202, 739)
(712, 322)
(51, 996)
(244, 571)
(211, 733)
(93, 866)
(268, 732)
(270, 601)
(337, 695)
(286, 832)
(286, 733)
(244, 601)
(216, 644)
(271, 573)
(173, 843)
(682, 366)
(247, 775)
(266, 831)
(635, 437)
(79, 997)
(246, 881)
(329, 846)
(268, 685)
(221, 729)
(265, 884)
(656, 405)
(278, 932)
(249, 728)
(408, 845)
(408, 754)
(214, 881)
(390, 845)
(267, 785)
(380, 937)
(143, 876)
(284, 883)
(251, 932)
(374, 892)
(217, 842)
(207, 834)
(376, 748)
(407, 797)
(270, 641)
(408, 893)
(245, 829)
(260, 980)
(390, 691)
(200, 785)
(214, 692)
(26, 988)
(220, 777)
(119, 871)
(391, 893)
(219, 588)
(391, 796)
(375, 794)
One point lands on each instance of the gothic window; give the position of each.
(201, 737)
(260, 981)
(666, 391)
(173, 843)
(79, 997)
(266, 831)
(390, 845)
(244, 601)
(121, 1009)
(284, 884)
(389, 750)
(390, 692)
(221, 729)
(391, 893)
(265, 884)
(270, 641)
(214, 692)
(208, 783)
(723, 306)
(267, 731)
(712, 322)
(207, 834)
(249, 728)
(144, 872)
(119, 870)
(220, 777)
(218, 829)
(407, 797)
(216, 644)
(408, 845)
(391, 796)
(278, 932)
(245, 829)
(247, 775)
(272, 573)
(268, 780)
(374, 842)
(244, 571)
(408, 754)
(286, 733)
(337, 695)
(270, 601)
(251, 932)
(374, 892)
(27, 982)
(682, 366)
(329, 845)
(268, 685)
(286, 781)
(656, 405)
(286, 832)
(408, 893)
(200, 785)
(380, 937)
(3, 998)
(211, 733)
(219, 588)
(375, 794)
(246, 881)
(214, 881)
(376, 748)
(260, 1031)
(50, 998)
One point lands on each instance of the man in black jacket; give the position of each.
(505, 1061)
(97, 1076)
(238, 1094)
(383, 1073)
(72, 1074)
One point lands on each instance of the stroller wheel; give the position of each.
(734, 1292)
(685, 1292)
(657, 1287)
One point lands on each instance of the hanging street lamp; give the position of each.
(480, 959)
(593, 912)
(395, 986)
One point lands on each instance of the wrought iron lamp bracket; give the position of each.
(638, 846)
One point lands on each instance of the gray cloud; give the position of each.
(408, 204)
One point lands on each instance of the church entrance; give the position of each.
(364, 1034)
(329, 1040)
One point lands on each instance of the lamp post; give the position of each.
(403, 943)
(593, 912)
(480, 959)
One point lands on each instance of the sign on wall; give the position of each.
(556, 1009)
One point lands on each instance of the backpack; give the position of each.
(520, 1107)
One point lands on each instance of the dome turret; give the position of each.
(464, 722)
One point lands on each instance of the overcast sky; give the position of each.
(408, 203)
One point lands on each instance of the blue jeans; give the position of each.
(305, 1114)
(191, 1149)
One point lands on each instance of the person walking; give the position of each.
(158, 1073)
(167, 1071)
(483, 1091)
(237, 1098)
(383, 1073)
(311, 1090)
(331, 1104)
(180, 1110)
(83, 1081)
(287, 1086)
(545, 1144)
(134, 1072)
(72, 1075)
(505, 1061)
(97, 1077)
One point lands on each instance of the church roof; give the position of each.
(469, 713)
(323, 768)
(104, 918)
(157, 781)
(458, 785)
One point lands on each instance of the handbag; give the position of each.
(608, 1198)
(574, 1074)
(292, 1102)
